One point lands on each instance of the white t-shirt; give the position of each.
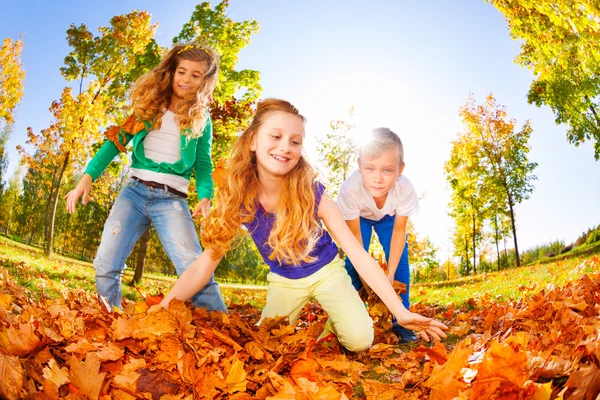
(163, 145)
(355, 201)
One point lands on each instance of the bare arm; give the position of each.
(354, 225)
(371, 273)
(397, 244)
(194, 278)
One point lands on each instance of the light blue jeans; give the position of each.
(136, 207)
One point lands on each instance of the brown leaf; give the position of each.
(383, 391)
(109, 352)
(586, 381)
(128, 377)
(21, 341)
(436, 353)
(12, 378)
(86, 376)
(444, 379)
(155, 383)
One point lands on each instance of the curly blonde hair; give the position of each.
(296, 228)
(151, 94)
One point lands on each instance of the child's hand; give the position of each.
(202, 207)
(391, 279)
(424, 326)
(83, 188)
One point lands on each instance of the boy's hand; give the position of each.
(391, 279)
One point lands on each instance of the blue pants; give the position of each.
(384, 228)
(137, 206)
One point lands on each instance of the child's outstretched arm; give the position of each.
(194, 278)
(372, 274)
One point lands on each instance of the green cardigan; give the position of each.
(195, 155)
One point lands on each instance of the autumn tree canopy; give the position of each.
(560, 46)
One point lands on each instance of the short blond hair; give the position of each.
(380, 140)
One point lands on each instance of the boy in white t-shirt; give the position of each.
(377, 196)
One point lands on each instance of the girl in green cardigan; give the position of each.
(172, 136)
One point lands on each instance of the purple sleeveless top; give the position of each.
(324, 252)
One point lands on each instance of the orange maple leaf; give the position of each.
(86, 376)
(12, 378)
(20, 341)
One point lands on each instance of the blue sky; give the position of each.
(405, 65)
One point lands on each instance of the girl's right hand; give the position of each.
(425, 327)
(83, 188)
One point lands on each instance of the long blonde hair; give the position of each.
(296, 228)
(151, 94)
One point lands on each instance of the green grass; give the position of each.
(512, 283)
(52, 278)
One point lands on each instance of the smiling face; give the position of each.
(278, 144)
(187, 78)
(379, 173)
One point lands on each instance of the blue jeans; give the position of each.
(384, 228)
(136, 207)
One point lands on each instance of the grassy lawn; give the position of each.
(52, 278)
(512, 283)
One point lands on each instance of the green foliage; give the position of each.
(244, 263)
(560, 45)
(236, 91)
(593, 237)
(337, 151)
(489, 173)
(5, 132)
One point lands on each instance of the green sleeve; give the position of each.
(203, 166)
(105, 155)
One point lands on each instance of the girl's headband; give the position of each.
(193, 46)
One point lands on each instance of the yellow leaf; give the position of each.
(57, 375)
(236, 379)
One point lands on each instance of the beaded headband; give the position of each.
(193, 46)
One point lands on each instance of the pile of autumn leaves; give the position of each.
(542, 347)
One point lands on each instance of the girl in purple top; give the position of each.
(270, 189)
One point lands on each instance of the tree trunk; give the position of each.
(505, 252)
(497, 239)
(474, 252)
(47, 211)
(50, 239)
(141, 257)
(514, 229)
(466, 255)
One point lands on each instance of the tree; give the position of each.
(560, 41)
(9, 202)
(236, 91)
(12, 75)
(105, 62)
(464, 174)
(499, 157)
(5, 132)
(338, 152)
